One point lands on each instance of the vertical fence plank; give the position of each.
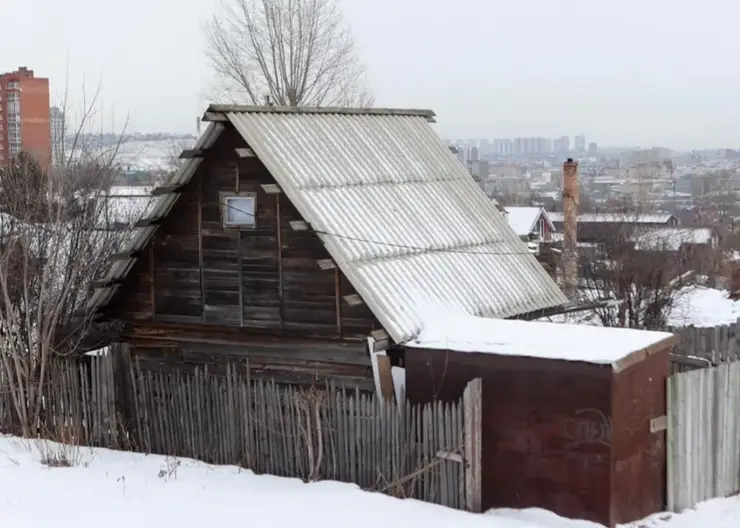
(377, 443)
(473, 409)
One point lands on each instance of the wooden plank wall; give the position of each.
(429, 452)
(196, 271)
(703, 435)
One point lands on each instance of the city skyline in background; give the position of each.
(486, 70)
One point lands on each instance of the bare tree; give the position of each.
(646, 269)
(55, 244)
(299, 52)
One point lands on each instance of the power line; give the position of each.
(397, 245)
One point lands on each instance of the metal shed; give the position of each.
(573, 416)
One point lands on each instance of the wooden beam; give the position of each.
(200, 251)
(271, 188)
(245, 153)
(106, 283)
(152, 269)
(353, 299)
(385, 377)
(299, 225)
(337, 300)
(239, 255)
(326, 264)
(472, 446)
(214, 117)
(166, 189)
(126, 255)
(281, 284)
(147, 222)
(191, 153)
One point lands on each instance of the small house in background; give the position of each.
(573, 417)
(530, 223)
(605, 227)
(307, 242)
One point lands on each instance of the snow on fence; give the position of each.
(428, 452)
(705, 346)
(703, 435)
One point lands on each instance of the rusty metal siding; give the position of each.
(638, 396)
(402, 218)
(546, 427)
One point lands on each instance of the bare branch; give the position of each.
(55, 238)
(299, 52)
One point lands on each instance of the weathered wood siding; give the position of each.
(197, 271)
(202, 293)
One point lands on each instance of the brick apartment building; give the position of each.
(24, 116)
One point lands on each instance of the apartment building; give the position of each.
(24, 116)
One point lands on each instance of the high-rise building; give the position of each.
(593, 149)
(580, 145)
(24, 116)
(561, 145)
(502, 146)
(57, 125)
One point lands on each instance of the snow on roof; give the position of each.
(627, 218)
(567, 342)
(700, 306)
(522, 219)
(670, 238)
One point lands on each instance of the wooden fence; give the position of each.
(702, 347)
(430, 452)
(703, 435)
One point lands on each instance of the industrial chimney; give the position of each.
(570, 228)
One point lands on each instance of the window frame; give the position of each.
(225, 197)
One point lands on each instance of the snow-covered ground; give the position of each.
(151, 155)
(694, 305)
(124, 490)
(700, 306)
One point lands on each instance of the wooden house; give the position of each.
(530, 223)
(605, 227)
(303, 240)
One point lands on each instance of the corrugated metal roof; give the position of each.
(139, 237)
(402, 218)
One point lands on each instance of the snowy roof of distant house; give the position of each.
(523, 220)
(399, 214)
(625, 218)
(670, 238)
(566, 342)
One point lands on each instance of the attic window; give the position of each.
(239, 210)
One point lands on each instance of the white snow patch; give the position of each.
(569, 342)
(700, 306)
(522, 219)
(122, 490)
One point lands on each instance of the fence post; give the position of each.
(472, 445)
(124, 390)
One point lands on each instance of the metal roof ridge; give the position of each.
(245, 109)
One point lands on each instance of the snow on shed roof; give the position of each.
(626, 218)
(400, 215)
(523, 219)
(567, 342)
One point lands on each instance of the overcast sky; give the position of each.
(628, 72)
